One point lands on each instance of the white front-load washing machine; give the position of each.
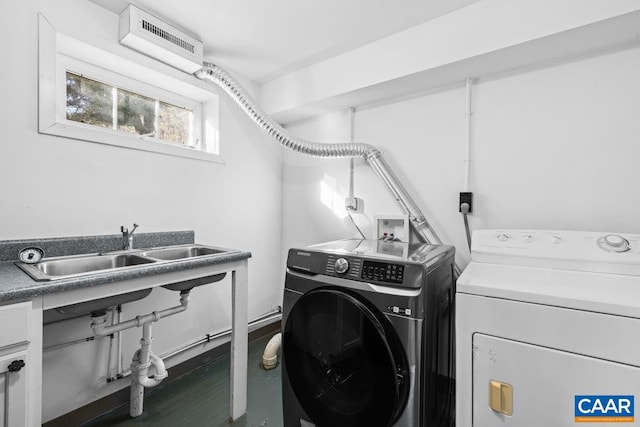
(367, 335)
(547, 329)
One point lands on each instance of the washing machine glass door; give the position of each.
(344, 361)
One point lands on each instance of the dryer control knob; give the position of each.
(341, 266)
(502, 237)
(613, 243)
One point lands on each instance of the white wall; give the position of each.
(59, 187)
(488, 36)
(553, 147)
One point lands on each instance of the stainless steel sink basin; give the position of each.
(101, 304)
(63, 267)
(79, 265)
(187, 285)
(176, 253)
(182, 252)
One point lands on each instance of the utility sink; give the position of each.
(70, 266)
(64, 267)
(186, 252)
(101, 304)
(80, 265)
(187, 285)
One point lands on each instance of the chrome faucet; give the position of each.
(127, 237)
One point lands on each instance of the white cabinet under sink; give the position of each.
(19, 365)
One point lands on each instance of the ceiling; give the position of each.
(266, 39)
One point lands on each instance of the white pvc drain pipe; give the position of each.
(143, 358)
(270, 355)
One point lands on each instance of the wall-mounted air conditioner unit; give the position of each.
(147, 34)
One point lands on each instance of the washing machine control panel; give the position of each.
(343, 266)
(368, 270)
(382, 272)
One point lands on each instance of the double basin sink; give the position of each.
(82, 265)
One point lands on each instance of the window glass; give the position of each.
(175, 124)
(136, 113)
(89, 101)
(92, 102)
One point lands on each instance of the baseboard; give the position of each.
(121, 397)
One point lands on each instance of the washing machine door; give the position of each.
(344, 361)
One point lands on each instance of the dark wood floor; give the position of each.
(201, 398)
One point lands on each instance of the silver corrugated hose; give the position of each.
(215, 74)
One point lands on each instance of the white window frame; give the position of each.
(59, 54)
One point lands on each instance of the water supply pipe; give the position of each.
(467, 150)
(466, 207)
(217, 75)
(111, 338)
(119, 337)
(352, 203)
(352, 111)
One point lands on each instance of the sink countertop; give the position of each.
(15, 284)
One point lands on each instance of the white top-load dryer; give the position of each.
(548, 329)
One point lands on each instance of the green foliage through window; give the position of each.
(92, 102)
(89, 101)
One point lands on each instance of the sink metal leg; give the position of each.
(239, 341)
(6, 398)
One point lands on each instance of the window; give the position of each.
(100, 104)
(90, 94)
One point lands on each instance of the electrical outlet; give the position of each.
(354, 204)
(466, 197)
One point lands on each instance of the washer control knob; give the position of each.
(614, 243)
(555, 239)
(502, 237)
(528, 238)
(341, 266)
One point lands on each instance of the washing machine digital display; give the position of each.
(382, 272)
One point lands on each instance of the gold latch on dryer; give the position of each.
(501, 397)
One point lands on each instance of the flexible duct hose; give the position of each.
(215, 74)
